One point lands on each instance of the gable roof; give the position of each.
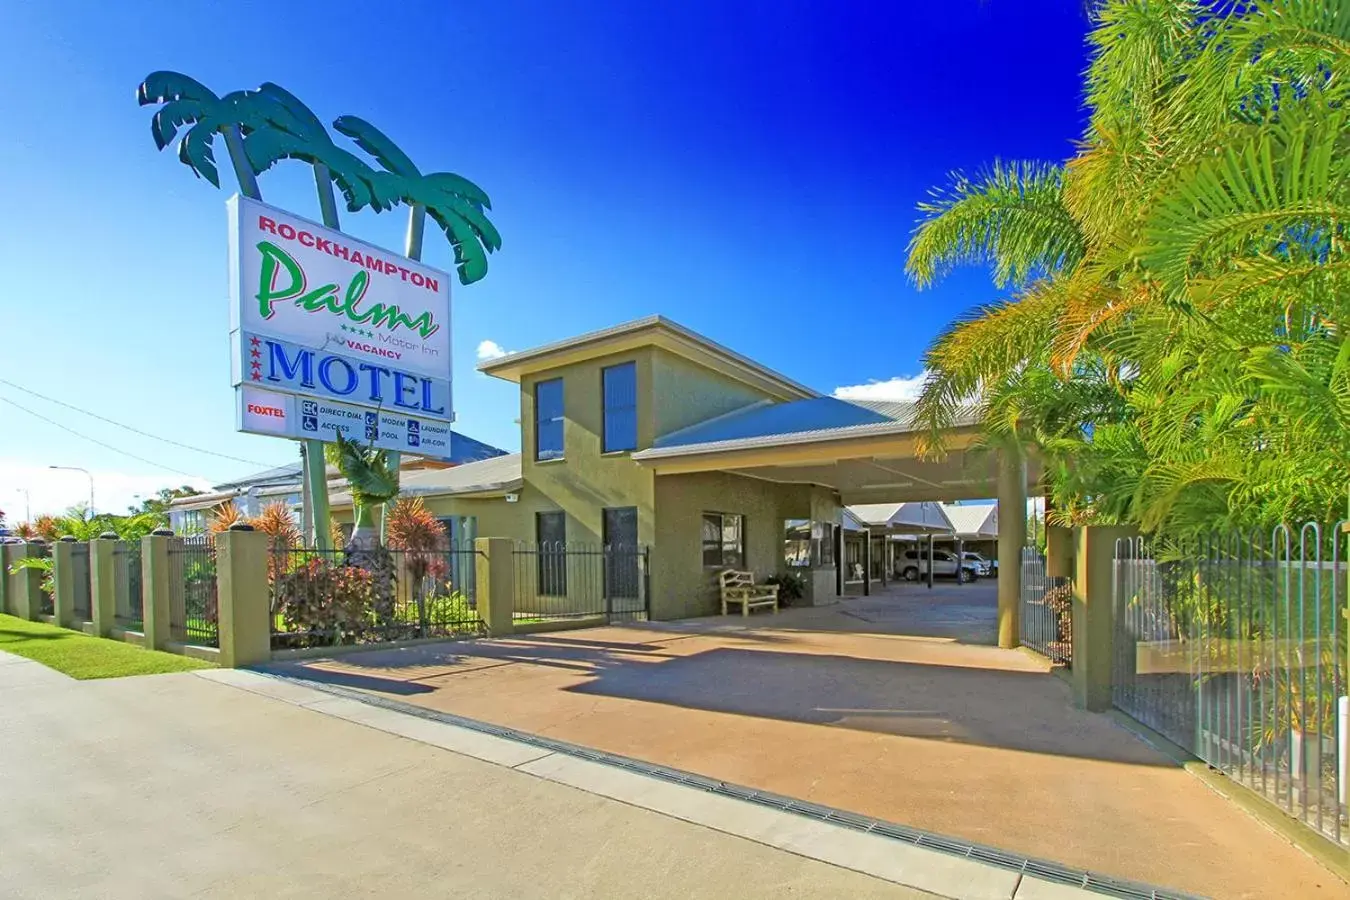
(912, 517)
(973, 518)
(655, 331)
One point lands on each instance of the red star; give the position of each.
(257, 376)
(255, 354)
(254, 341)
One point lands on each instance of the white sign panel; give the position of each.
(317, 313)
(292, 416)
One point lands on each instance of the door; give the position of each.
(621, 554)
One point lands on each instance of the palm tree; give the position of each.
(373, 483)
(1174, 338)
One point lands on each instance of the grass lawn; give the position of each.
(81, 656)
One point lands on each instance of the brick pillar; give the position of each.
(103, 583)
(1058, 552)
(1094, 614)
(245, 602)
(155, 588)
(496, 583)
(63, 579)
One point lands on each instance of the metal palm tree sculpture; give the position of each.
(189, 102)
(454, 202)
(296, 133)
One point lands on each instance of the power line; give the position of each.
(19, 387)
(86, 437)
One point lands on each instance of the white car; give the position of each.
(914, 565)
(983, 567)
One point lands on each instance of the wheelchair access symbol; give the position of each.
(414, 433)
(372, 426)
(309, 416)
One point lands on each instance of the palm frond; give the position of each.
(1012, 217)
(377, 144)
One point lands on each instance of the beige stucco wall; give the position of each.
(681, 586)
(687, 393)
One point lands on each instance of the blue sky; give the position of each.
(748, 169)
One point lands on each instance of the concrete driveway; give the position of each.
(932, 728)
(187, 786)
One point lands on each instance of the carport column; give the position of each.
(867, 562)
(1012, 534)
(155, 588)
(495, 583)
(245, 602)
(103, 582)
(63, 582)
(1093, 614)
(839, 560)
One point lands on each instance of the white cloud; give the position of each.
(901, 387)
(490, 350)
(54, 491)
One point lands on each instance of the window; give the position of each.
(823, 535)
(618, 388)
(621, 552)
(723, 541)
(548, 419)
(550, 530)
(797, 542)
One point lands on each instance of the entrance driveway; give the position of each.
(894, 706)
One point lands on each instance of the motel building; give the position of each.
(648, 435)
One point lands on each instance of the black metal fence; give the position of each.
(193, 599)
(1046, 610)
(82, 595)
(577, 581)
(1234, 647)
(337, 597)
(129, 603)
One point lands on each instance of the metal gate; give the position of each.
(1046, 609)
(1234, 647)
(561, 581)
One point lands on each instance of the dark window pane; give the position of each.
(621, 552)
(712, 540)
(619, 390)
(548, 419)
(733, 542)
(551, 534)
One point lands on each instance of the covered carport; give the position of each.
(881, 530)
(867, 453)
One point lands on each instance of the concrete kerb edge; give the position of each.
(1332, 858)
(1016, 871)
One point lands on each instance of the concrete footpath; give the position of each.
(235, 784)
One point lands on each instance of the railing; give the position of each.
(193, 602)
(580, 581)
(1234, 647)
(1046, 610)
(337, 597)
(82, 596)
(128, 605)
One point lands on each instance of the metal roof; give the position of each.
(973, 518)
(500, 474)
(909, 518)
(796, 422)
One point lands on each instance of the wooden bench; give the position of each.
(740, 587)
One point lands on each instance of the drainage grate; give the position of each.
(1043, 869)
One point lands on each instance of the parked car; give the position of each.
(914, 565)
(983, 566)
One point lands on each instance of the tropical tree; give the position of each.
(1172, 343)
(372, 482)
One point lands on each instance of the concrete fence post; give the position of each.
(5, 606)
(1058, 551)
(496, 583)
(245, 602)
(103, 583)
(25, 585)
(155, 588)
(1094, 614)
(63, 582)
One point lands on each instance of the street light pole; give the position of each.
(27, 504)
(88, 475)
